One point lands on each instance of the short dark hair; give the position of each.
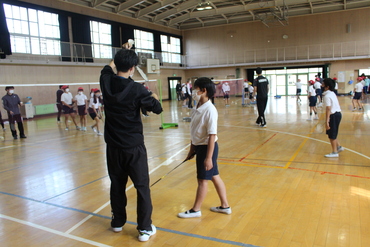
(328, 82)
(125, 60)
(60, 86)
(205, 83)
(259, 71)
(9, 87)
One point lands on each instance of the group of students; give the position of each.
(66, 103)
(248, 91)
(361, 90)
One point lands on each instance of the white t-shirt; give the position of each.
(80, 99)
(183, 89)
(225, 88)
(67, 98)
(358, 87)
(336, 85)
(298, 85)
(203, 123)
(245, 84)
(251, 89)
(330, 99)
(317, 85)
(92, 104)
(311, 91)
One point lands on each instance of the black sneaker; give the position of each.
(15, 137)
(23, 136)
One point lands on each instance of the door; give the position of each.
(172, 82)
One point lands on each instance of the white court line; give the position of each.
(87, 241)
(165, 163)
(287, 133)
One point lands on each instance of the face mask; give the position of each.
(195, 95)
(80, 93)
(67, 90)
(11, 91)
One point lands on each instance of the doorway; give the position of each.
(172, 82)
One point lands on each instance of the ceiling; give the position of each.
(183, 14)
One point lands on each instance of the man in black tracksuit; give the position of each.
(261, 87)
(126, 152)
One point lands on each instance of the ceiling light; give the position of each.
(204, 5)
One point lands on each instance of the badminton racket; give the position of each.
(169, 172)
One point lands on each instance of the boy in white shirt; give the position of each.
(311, 94)
(67, 106)
(81, 101)
(317, 87)
(251, 90)
(358, 93)
(203, 129)
(298, 85)
(226, 92)
(333, 117)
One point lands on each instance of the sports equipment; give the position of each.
(168, 173)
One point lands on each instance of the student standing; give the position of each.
(184, 96)
(188, 93)
(358, 93)
(203, 129)
(336, 85)
(178, 90)
(226, 92)
(95, 111)
(59, 102)
(2, 121)
(11, 103)
(67, 102)
(261, 87)
(126, 152)
(312, 100)
(81, 101)
(298, 85)
(317, 87)
(333, 117)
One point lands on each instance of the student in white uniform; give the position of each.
(336, 85)
(95, 111)
(251, 90)
(333, 117)
(358, 93)
(311, 93)
(317, 87)
(67, 106)
(298, 85)
(203, 130)
(81, 101)
(226, 92)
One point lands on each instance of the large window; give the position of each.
(144, 45)
(171, 49)
(101, 39)
(32, 31)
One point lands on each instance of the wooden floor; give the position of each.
(54, 188)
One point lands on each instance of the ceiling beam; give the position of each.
(96, 3)
(127, 4)
(182, 7)
(155, 7)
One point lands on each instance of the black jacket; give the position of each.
(123, 99)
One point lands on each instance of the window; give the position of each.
(144, 44)
(171, 49)
(101, 39)
(32, 31)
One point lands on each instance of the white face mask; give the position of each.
(67, 90)
(195, 95)
(11, 91)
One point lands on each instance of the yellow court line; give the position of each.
(251, 165)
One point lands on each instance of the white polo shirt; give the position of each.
(225, 87)
(67, 98)
(94, 105)
(298, 85)
(311, 91)
(317, 85)
(80, 99)
(203, 123)
(330, 99)
(358, 87)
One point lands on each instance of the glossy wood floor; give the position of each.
(54, 188)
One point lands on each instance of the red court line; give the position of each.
(258, 147)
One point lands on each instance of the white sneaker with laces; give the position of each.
(188, 214)
(144, 235)
(221, 210)
(117, 229)
(332, 155)
(340, 149)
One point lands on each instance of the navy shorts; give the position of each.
(299, 91)
(92, 114)
(81, 110)
(201, 154)
(318, 92)
(67, 110)
(357, 96)
(226, 96)
(313, 101)
(334, 121)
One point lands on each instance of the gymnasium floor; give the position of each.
(54, 188)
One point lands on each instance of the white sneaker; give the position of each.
(309, 119)
(188, 214)
(316, 117)
(332, 155)
(221, 210)
(100, 134)
(67, 128)
(144, 235)
(340, 149)
(354, 109)
(78, 127)
(117, 229)
(92, 127)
